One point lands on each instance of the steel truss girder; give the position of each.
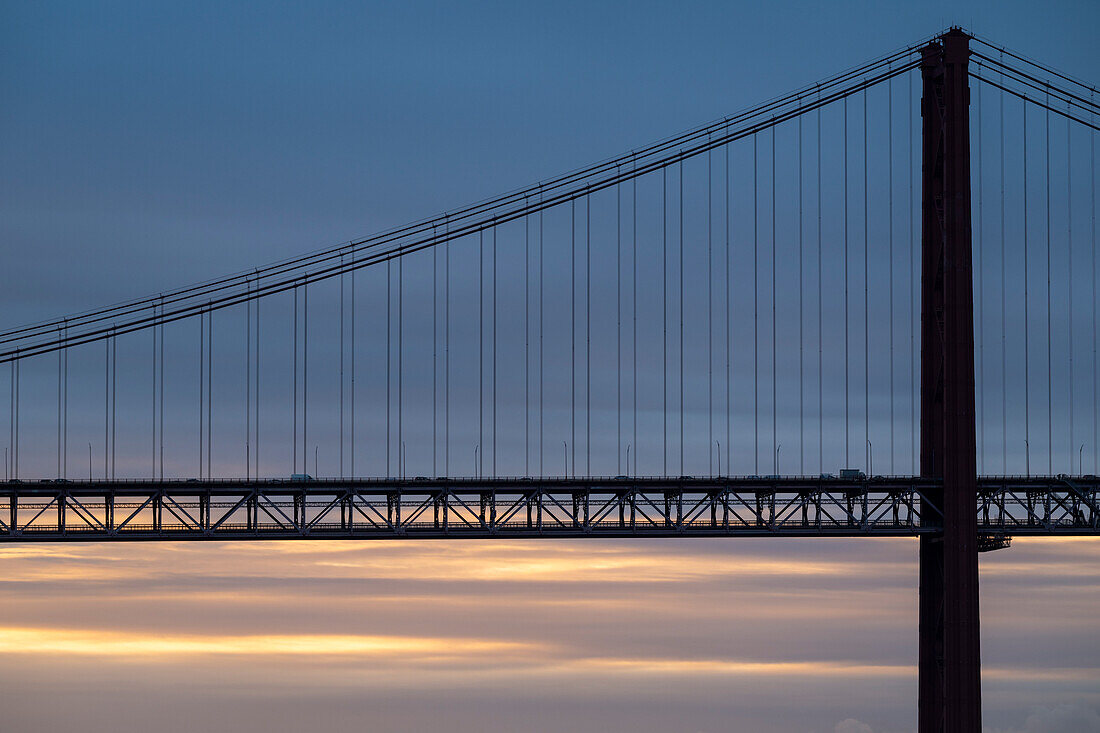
(481, 508)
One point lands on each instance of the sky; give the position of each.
(148, 146)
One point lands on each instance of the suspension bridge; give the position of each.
(730, 330)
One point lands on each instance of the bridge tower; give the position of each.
(949, 654)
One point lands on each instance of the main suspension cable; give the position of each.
(1044, 104)
(1023, 78)
(327, 271)
(1031, 62)
(206, 288)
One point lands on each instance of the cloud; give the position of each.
(107, 644)
(851, 725)
(1065, 718)
(678, 633)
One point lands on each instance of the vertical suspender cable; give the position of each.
(65, 416)
(542, 261)
(494, 352)
(294, 389)
(710, 316)
(1027, 336)
(11, 426)
(59, 404)
(59, 419)
(890, 249)
(1069, 272)
(1050, 372)
(728, 319)
(820, 315)
(980, 310)
(162, 381)
(588, 334)
(114, 400)
(1096, 372)
(847, 441)
(664, 317)
(634, 314)
(15, 450)
(435, 357)
(866, 300)
(341, 473)
(11, 423)
(526, 343)
(801, 330)
(202, 373)
(775, 334)
(209, 392)
(572, 336)
(914, 271)
(248, 384)
(351, 426)
(1004, 291)
(618, 325)
(305, 373)
(480, 353)
(680, 246)
(447, 354)
(401, 366)
(755, 315)
(209, 384)
(257, 407)
(389, 362)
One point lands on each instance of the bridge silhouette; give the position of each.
(672, 318)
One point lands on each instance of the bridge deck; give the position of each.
(237, 509)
